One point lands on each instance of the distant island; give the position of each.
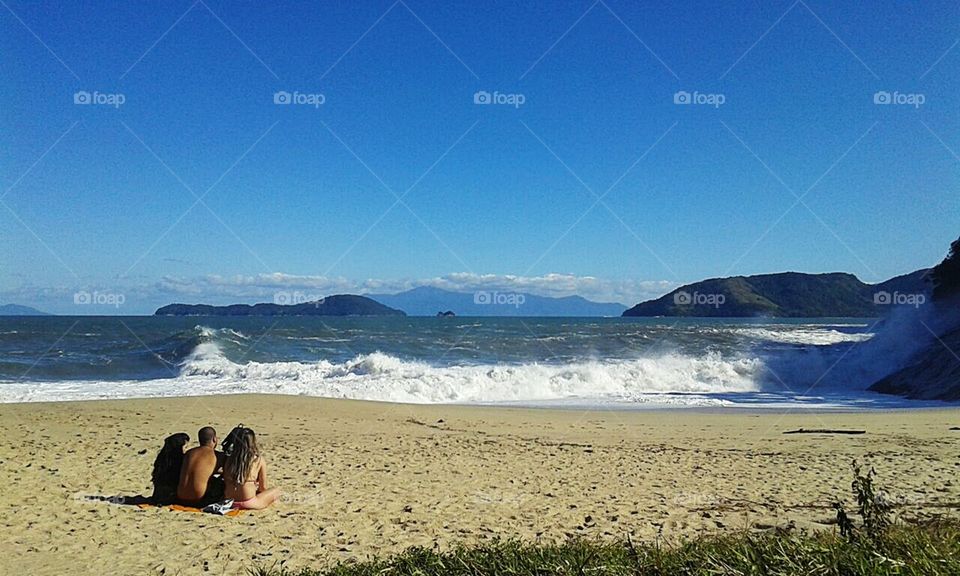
(338, 305)
(786, 295)
(427, 300)
(17, 310)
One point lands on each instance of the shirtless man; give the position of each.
(198, 485)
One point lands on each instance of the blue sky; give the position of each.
(597, 183)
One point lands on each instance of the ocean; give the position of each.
(609, 362)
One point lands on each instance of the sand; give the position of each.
(363, 478)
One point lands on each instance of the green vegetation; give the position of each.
(946, 275)
(872, 544)
(922, 551)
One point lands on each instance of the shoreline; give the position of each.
(362, 478)
(564, 405)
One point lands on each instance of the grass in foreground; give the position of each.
(872, 545)
(915, 550)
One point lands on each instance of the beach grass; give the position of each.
(927, 549)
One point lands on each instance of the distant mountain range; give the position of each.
(787, 295)
(428, 301)
(338, 305)
(17, 310)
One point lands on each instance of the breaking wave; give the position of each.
(649, 364)
(380, 376)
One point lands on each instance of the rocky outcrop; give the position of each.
(933, 374)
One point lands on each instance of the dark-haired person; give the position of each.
(166, 468)
(199, 485)
(245, 474)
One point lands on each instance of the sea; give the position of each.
(621, 363)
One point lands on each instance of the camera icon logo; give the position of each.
(682, 97)
(282, 97)
(882, 298)
(682, 298)
(482, 97)
(882, 97)
(482, 297)
(282, 298)
(82, 97)
(82, 297)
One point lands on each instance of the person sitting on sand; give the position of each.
(166, 468)
(245, 473)
(198, 484)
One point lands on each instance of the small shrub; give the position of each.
(875, 513)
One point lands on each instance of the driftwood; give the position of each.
(824, 431)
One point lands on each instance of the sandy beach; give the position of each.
(362, 478)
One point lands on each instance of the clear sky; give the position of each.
(182, 179)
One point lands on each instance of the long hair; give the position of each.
(245, 452)
(231, 439)
(166, 467)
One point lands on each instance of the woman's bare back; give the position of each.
(251, 486)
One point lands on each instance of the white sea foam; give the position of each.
(804, 335)
(672, 378)
(379, 376)
(207, 332)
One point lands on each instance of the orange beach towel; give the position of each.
(179, 508)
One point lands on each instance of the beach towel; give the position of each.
(222, 508)
(180, 508)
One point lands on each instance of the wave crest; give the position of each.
(379, 376)
(812, 336)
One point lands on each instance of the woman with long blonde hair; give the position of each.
(245, 473)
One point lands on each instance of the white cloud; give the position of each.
(142, 297)
(556, 285)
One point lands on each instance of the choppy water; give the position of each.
(618, 361)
